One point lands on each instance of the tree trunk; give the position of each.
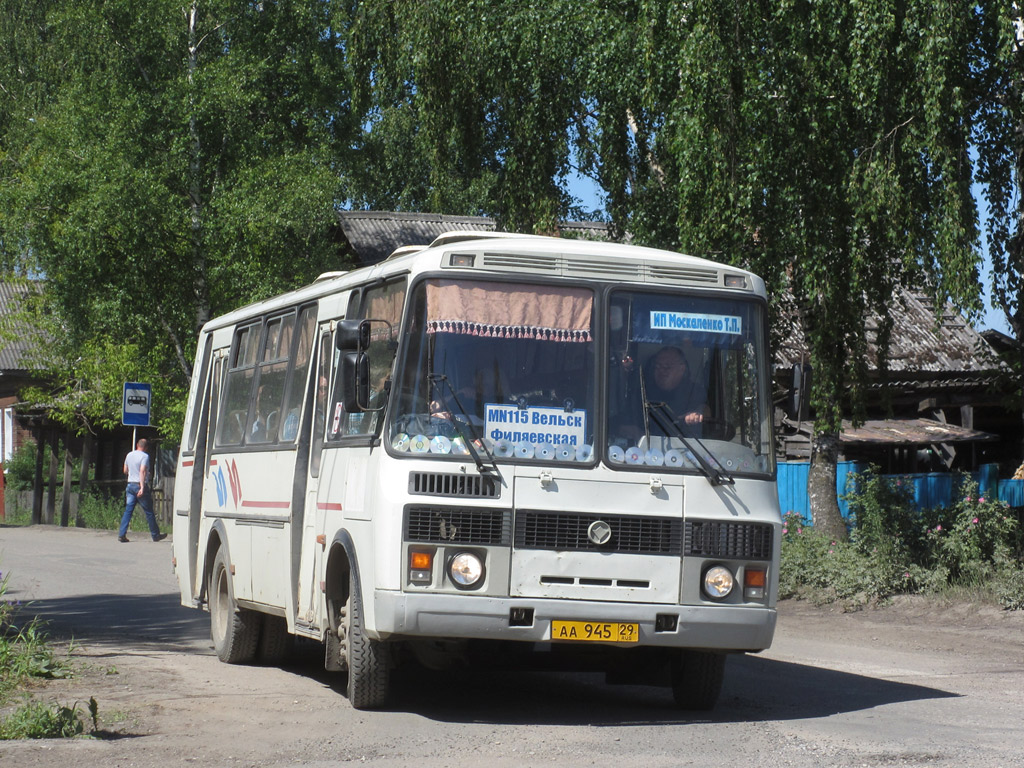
(195, 167)
(83, 479)
(821, 486)
(65, 500)
(51, 486)
(37, 480)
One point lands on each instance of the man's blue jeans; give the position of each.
(131, 497)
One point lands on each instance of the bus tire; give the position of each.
(697, 679)
(275, 641)
(235, 631)
(368, 661)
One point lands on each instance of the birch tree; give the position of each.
(184, 158)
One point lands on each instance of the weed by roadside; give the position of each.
(26, 656)
(896, 549)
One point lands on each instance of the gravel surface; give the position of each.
(916, 683)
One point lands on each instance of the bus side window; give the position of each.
(323, 376)
(383, 302)
(238, 385)
(296, 384)
(265, 413)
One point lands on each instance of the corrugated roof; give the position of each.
(12, 345)
(373, 235)
(920, 348)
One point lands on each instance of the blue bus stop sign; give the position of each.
(135, 406)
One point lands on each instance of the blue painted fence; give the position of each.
(932, 489)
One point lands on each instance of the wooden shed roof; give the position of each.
(923, 346)
(373, 235)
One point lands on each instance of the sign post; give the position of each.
(135, 405)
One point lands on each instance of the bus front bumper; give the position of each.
(710, 627)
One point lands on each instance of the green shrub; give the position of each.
(21, 467)
(978, 534)
(35, 720)
(104, 513)
(883, 514)
(820, 569)
(1009, 586)
(24, 649)
(895, 548)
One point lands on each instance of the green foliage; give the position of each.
(883, 514)
(1000, 146)
(161, 167)
(821, 569)
(24, 649)
(100, 511)
(1010, 587)
(36, 720)
(977, 536)
(180, 164)
(21, 467)
(897, 549)
(25, 654)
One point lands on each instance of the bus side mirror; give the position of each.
(355, 381)
(353, 335)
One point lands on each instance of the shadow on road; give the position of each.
(136, 619)
(755, 689)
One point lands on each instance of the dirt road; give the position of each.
(914, 684)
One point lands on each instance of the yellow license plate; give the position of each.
(596, 631)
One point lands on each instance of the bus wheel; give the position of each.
(275, 642)
(368, 661)
(235, 631)
(697, 679)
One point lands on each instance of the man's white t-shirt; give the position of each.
(135, 461)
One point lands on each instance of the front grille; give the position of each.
(568, 532)
(457, 525)
(737, 541)
(440, 484)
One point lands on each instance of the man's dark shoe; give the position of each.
(160, 537)
(123, 539)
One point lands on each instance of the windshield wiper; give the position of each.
(716, 475)
(447, 395)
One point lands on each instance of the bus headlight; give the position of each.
(718, 582)
(466, 570)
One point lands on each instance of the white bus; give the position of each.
(473, 447)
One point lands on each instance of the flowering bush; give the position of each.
(895, 548)
(821, 569)
(977, 537)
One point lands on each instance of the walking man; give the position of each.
(136, 466)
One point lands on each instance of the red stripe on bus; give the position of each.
(333, 506)
(187, 463)
(267, 504)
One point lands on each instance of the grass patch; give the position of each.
(36, 720)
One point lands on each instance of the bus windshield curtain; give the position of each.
(507, 311)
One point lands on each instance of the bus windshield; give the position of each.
(687, 383)
(508, 365)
